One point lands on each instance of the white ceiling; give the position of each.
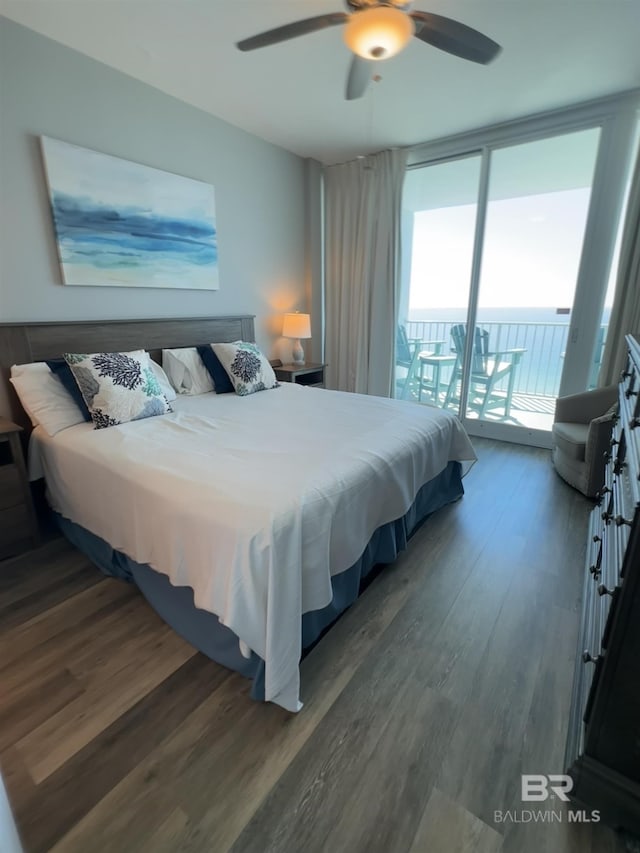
(555, 53)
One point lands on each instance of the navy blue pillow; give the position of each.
(215, 369)
(64, 373)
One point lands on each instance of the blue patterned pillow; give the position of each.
(117, 386)
(246, 367)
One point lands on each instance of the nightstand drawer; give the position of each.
(10, 487)
(14, 530)
(310, 374)
(315, 378)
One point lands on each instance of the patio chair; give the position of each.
(487, 370)
(406, 357)
(409, 352)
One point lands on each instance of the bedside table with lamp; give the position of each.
(298, 326)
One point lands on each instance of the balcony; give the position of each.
(536, 378)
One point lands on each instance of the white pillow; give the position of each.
(118, 387)
(163, 381)
(185, 370)
(44, 398)
(246, 366)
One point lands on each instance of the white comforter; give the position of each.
(254, 502)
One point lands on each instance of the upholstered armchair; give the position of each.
(581, 435)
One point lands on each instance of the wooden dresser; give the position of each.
(603, 743)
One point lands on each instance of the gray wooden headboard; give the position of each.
(22, 343)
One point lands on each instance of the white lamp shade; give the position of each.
(378, 32)
(296, 326)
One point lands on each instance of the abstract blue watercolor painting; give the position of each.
(121, 224)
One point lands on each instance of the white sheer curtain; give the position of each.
(625, 314)
(362, 270)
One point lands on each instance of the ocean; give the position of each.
(541, 332)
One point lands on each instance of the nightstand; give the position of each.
(302, 374)
(18, 524)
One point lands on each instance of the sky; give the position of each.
(531, 252)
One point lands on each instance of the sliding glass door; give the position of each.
(537, 205)
(441, 203)
(506, 256)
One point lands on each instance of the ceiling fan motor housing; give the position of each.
(360, 5)
(378, 31)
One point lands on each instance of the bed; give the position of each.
(249, 523)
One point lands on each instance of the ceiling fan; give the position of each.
(378, 29)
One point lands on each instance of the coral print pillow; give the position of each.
(117, 386)
(246, 367)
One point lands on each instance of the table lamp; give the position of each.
(297, 326)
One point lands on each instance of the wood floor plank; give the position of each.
(75, 788)
(386, 804)
(545, 730)
(498, 703)
(31, 585)
(167, 836)
(88, 634)
(40, 600)
(446, 827)
(101, 658)
(302, 808)
(27, 573)
(64, 619)
(133, 808)
(133, 671)
(24, 710)
(20, 786)
(461, 643)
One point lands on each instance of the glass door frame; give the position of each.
(616, 117)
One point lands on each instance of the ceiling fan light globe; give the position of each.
(378, 33)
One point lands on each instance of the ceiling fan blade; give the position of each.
(360, 74)
(290, 31)
(455, 38)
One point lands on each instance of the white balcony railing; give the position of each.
(540, 368)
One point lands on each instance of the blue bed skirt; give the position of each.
(203, 630)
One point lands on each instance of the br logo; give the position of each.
(536, 787)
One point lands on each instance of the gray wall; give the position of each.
(48, 89)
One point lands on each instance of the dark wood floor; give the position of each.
(449, 678)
